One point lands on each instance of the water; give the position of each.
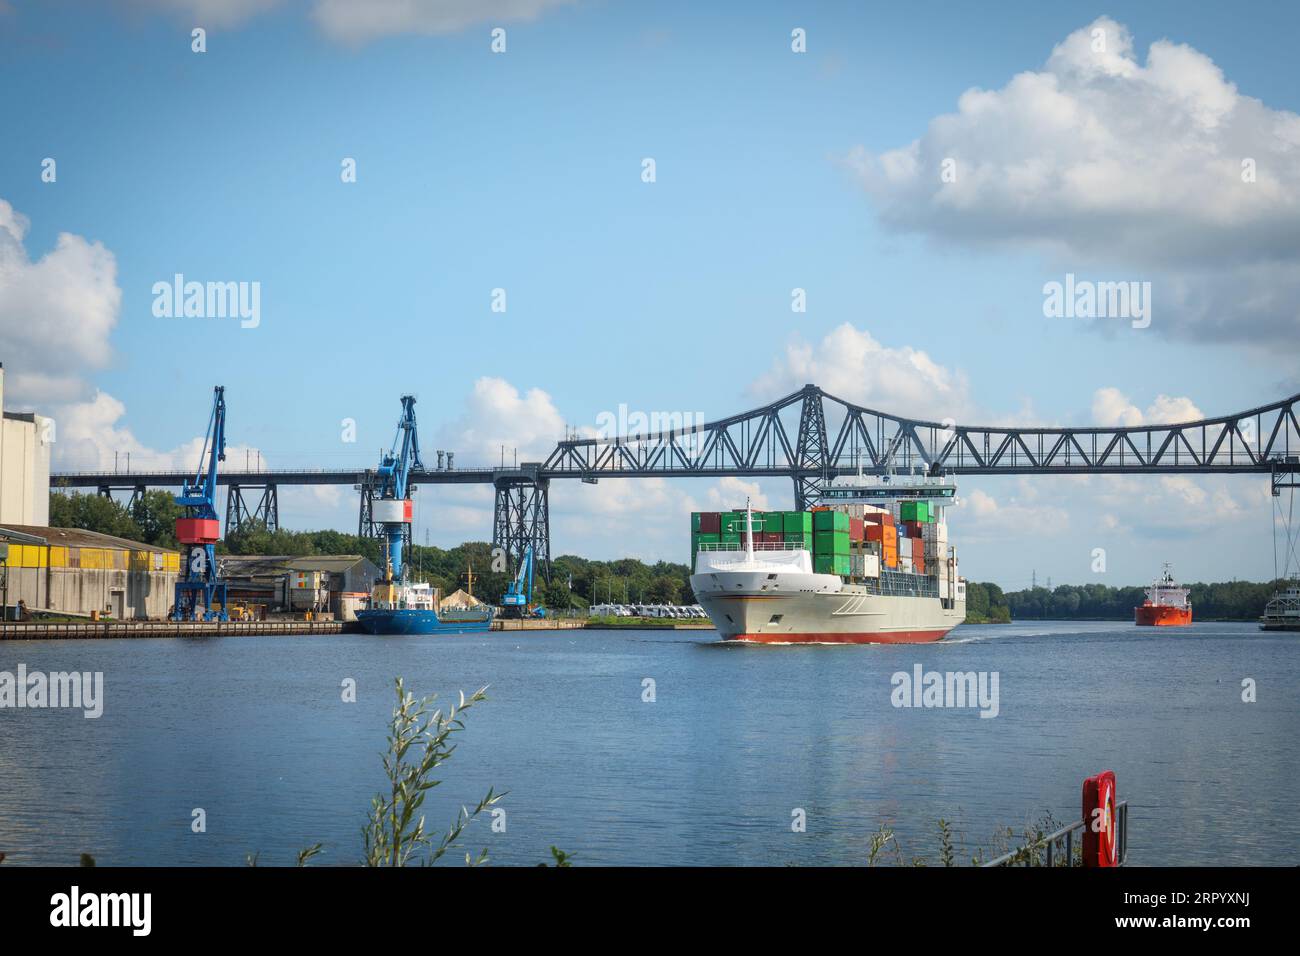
(255, 732)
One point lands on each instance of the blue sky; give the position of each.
(523, 171)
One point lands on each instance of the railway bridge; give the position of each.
(809, 437)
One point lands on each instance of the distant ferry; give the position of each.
(1283, 612)
(1166, 604)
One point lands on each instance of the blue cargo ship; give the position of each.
(412, 609)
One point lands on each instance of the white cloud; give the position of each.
(56, 313)
(1109, 163)
(1112, 408)
(979, 516)
(360, 21)
(850, 364)
(354, 22)
(496, 416)
(212, 13)
(93, 436)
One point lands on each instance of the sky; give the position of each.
(1104, 143)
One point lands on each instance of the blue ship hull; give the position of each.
(408, 621)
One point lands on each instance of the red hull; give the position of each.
(891, 637)
(1154, 615)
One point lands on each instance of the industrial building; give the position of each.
(25, 440)
(68, 571)
(334, 585)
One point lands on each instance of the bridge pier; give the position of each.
(811, 451)
(521, 516)
(240, 517)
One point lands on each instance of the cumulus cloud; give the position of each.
(496, 416)
(851, 364)
(1112, 408)
(56, 313)
(93, 435)
(1108, 163)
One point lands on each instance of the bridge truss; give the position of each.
(810, 437)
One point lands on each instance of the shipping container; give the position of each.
(914, 511)
(831, 564)
(796, 522)
(830, 542)
(855, 529)
(830, 521)
(710, 522)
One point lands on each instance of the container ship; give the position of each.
(1166, 604)
(870, 565)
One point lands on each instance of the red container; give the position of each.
(710, 522)
(855, 529)
(874, 532)
(769, 537)
(198, 530)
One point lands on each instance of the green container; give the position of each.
(831, 564)
(798, 540)
(695, 522)
(726, 538)
(914, 511)
(733, 522)
(830, 521)
(831, 542)
(796, 522)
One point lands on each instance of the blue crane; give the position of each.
(200, 529)
(518, 599)
(392, 508)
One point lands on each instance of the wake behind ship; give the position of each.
(871, 567)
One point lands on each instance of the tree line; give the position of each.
(576, 582)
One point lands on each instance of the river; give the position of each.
(738, 745)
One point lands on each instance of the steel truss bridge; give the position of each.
(809, 437)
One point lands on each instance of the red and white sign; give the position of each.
(1101, 820)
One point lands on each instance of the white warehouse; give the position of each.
(25, 440)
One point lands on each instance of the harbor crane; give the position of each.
(518, 599)
(200, 584)
(392, 508)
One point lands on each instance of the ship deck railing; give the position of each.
(1058, 849)
(758, 546)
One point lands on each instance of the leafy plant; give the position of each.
(394, 834)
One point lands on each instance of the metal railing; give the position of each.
(1046, 851)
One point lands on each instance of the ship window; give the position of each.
(771, 577)
(776, 619)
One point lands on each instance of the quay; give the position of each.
(75, 630)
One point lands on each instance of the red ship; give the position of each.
(1166, 605)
